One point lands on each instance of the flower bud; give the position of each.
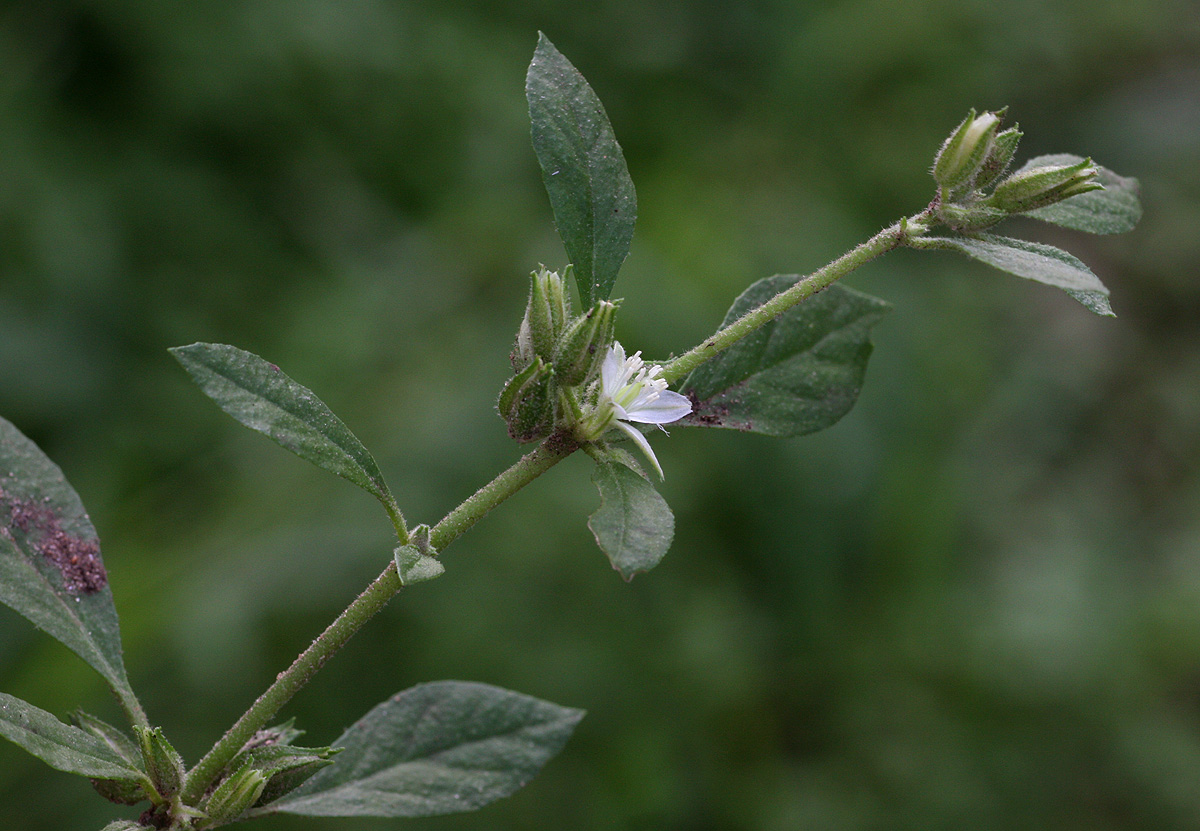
(998, 160)
(233, 796)
(545, 318)
(965, 151)
(970, 217)
(163, 763)
(527, 402)
(581, 347)
(1042, 186)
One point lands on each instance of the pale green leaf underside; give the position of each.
(798, 374)
(437, 748)
(59, 745)
(1114, 210)
(584, 171)
(51, 570)
(1033, 261)
(633, 525)
(259, 395)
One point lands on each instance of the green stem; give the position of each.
(365, 606)
(887, 239)
(532, 465)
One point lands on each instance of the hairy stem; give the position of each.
(891, 237)
(365, 606)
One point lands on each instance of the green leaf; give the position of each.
(584, 171)
(1114, 210)
(263, 398)
(437, 748)
(798, 374)
(633, 525)
(60, 745)
(51, 570)
(1033, 261)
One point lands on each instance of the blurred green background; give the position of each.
(974, 603)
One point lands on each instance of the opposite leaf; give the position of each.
(1033, 261)
(438, 748)
(50, 565)
(633, 525)
(796, 375)
(60, 745)
(263, 398)
(584, 171)
(1114, 210)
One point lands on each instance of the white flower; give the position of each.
(631, 391)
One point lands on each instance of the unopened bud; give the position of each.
(237, 793)
(545, 318)
(527, 402)
(965, 151)
(163, 763)
(1042, 186)
(969, 217)
(1003, 149)
(579, 351)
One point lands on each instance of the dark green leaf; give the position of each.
(438, 748)
(59, 745)
(50, 565)
(1114, 210)
(633, 525)
(796, 375)
(117, 740)
(584, 171)
(263, 398)
(1033, 261)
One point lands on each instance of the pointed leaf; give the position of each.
(60, 745)
(259, 395)
(633, 525)
(1114, 210)
(50, 565)
(437, 748)
(1033, 261)
(796, 375)
(584, 171)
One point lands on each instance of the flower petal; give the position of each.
(641, 442)
(667, 407)
(612, 368)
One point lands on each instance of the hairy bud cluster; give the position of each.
(976, 155)
(555, 350)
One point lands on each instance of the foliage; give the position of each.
(817, 297)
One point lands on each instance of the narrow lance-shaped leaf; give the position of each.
(51, 570)
(798, 374)
(437, 748)
(60, 745)
(259, 395)
(1114, 210)
(1033, 261)
(583, 169)
(634, 525)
